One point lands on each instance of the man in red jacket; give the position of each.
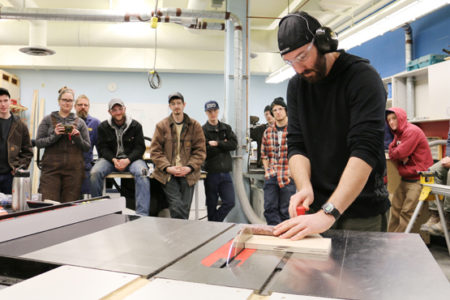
(411, 153)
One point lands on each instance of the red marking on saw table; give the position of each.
(222, 253)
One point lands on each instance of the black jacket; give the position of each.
(218, 159)
(133, 140)
(339, 117)
(256, 134)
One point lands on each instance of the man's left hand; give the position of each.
(301, 226)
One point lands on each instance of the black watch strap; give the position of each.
(329, 209)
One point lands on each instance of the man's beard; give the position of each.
(319, 68)
(82, 114)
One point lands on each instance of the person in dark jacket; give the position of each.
(15, 144)
(82, 106)
(256, 133)
(220, 140)
(388, 136)
(121, 147)
(336, 108)
(65, 137)
(411, 153)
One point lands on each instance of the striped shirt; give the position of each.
(276, 154)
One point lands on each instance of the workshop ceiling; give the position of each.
(130, 46)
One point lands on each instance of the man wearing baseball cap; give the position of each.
(178, 151)
(336, 105)
(220, 141)
(120, 148)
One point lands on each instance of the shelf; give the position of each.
(431, 92)
(417, 72)
(17, 108)
(423, 120)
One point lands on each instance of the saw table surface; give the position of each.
(141, 247)
(361, 265)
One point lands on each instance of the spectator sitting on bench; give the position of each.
(121, 147)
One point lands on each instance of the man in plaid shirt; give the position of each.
(278, 186)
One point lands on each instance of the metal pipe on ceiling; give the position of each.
(410, 80)
(111, 16)
(238, 93)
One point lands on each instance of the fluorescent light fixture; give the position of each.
(373, 26)
(280, 75)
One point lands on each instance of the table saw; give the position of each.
(106, 253)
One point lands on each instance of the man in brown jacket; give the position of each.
(178, 151)
(15, 145)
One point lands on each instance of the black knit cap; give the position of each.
(296, 30)
(278, 101)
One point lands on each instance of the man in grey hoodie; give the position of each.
(121, 147)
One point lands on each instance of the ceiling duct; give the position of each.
(37, 36)
(37, 40)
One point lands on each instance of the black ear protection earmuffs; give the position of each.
(324, 38)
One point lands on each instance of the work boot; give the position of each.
(438, 229)
(434, 218)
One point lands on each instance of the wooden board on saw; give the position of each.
(309, 245)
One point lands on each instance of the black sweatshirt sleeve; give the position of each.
(367, 101)
(295, 140)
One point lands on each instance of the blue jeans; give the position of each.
(276, 200)
(86, 185)
(6, 183)
(142, 184)
(219, 184)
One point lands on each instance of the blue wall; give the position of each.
(133, 87)
(386, 53)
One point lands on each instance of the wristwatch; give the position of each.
(329, 209)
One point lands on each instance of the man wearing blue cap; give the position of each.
(336, 104)
(220, 140)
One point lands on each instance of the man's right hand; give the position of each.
(304, 197)
(116, 164)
